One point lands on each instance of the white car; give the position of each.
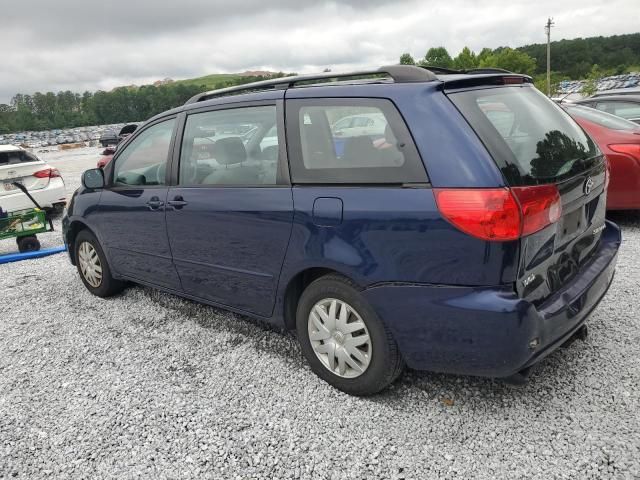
(369, 124)
(42, 181)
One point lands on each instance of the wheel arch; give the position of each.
(297, 284)
(75, 227)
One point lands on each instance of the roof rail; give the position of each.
(398, 73)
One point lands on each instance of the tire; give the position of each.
(382, 360)
(30, 243)
(98, 281)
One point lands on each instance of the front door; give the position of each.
(229, 218)
(131, 218)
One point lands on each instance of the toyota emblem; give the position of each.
(588, 185)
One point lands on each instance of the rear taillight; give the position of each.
(490, 214)
(500, 214)
(47, 173)
(632, 149)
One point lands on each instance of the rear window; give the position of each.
(532, 140)
(601, 118)
(15, 157)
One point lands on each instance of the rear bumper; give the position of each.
(53, 194)
(489, 331)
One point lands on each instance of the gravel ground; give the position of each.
(149, 385)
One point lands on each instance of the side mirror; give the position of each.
(93, 179)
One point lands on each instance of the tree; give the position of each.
(437, 57)
(465, 60)
(6, 118)
(575, 57)
(540, 82)
(407, 59)
(512, 60)
(590, 86)
(484, 54)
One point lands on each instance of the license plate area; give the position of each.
(8, 185)
(573, 223)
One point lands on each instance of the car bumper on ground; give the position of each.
(489, 331)
(53, 195)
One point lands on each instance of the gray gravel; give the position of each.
(150, 385)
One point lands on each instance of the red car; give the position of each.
(110, 150)
(619, 140)
(104, 160)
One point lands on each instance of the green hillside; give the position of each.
(210, 81)
(575, 58)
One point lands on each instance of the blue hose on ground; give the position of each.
(16, 257)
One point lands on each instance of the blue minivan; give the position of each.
(447, 221)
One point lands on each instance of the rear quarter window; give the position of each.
(350, 140)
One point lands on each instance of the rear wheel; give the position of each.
(343, 339)
(93, 267)
(29, 243)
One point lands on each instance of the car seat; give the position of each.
(231, 153)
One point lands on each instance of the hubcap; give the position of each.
(90, 265)
(339, 338)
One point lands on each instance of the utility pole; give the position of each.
(547, 29)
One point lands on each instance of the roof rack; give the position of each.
(398, 73)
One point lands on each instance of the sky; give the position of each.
(100, 44)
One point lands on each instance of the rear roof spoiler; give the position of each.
(479, 79)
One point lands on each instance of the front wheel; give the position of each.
(29, 243)
(93, 267)
(343, 339)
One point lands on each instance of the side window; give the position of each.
(605, 107)
(376, 147)
(144, 160)
(626, 110)
(237, 146)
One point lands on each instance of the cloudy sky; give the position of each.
(99, 44)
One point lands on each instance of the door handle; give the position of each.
(177, 202)
(154, 203)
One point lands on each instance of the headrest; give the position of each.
(389, 135)
(229, 151)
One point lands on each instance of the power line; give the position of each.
(547, 29)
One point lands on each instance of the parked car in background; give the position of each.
(107, 155)
(462, 241)
(102, 161)
(126, 131)
(619, 140)
(617, 91)
(624, 106)
(42, 181)
(109, 137)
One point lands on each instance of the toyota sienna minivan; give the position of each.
(467, 235)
